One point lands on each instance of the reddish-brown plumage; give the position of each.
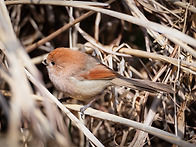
(82, 77)
(99, 72)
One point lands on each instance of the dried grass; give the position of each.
(147, 39)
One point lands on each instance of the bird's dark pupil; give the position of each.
(53, 63)
(45, 61)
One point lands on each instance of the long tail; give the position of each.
(143, 85)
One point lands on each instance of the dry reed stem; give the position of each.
(110, 117)
(144, 23)
(174, 38)
(47, 94)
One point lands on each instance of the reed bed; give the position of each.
(145, 39)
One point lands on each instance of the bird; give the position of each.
(82, 77)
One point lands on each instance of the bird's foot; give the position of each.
(82, 109)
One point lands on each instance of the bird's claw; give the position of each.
(82, 109)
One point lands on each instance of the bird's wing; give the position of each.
(99, 72)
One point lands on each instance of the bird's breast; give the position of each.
(84, 90)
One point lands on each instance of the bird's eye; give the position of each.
(53, 63)
(44, 62)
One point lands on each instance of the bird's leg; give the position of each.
(82, 109)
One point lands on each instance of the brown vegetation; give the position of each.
(146, 39)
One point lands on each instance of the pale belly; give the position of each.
(84, 90)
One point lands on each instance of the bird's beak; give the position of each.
(44, 62)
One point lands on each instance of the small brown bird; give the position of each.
(82, 77)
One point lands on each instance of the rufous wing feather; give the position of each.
(99, 72)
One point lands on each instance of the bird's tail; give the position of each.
(144, 85)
